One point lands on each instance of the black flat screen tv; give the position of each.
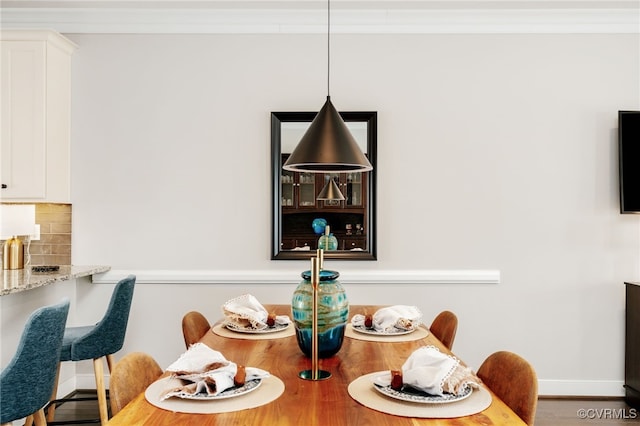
(629, 157)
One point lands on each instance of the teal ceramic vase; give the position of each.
(333, 312)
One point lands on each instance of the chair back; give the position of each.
(444, 327)
(514, 381)
(130, 377)
(27, 382)
(194, 326)
(107, 337)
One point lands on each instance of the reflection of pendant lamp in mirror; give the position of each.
(330, 192)
(327, 145)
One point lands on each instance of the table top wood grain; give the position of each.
(309, 403)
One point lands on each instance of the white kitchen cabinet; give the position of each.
(35, 116)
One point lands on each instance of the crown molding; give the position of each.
(52, 37)
(285, 17)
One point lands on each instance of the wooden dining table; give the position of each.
(307, 402)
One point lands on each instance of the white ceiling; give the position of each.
(310, 16)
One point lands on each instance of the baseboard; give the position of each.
(582, 388)
(88, 381)
(579, 398)
(69, 385)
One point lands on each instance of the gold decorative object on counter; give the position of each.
(16, 220)
(13, 254)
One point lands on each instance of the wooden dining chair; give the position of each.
(444, 327)
(130, 377)
(514, 381)
(194, 326)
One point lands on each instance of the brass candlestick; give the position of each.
(315, 373)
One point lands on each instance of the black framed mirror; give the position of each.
(298, 218)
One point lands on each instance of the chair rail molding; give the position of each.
(293, 277)
(348, 17)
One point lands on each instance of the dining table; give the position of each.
(305, 402)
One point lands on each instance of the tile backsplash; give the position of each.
(54, 246)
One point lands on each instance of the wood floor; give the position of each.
(551, 411)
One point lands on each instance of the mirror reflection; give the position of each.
(345, 229)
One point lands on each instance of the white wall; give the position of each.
(495, 152)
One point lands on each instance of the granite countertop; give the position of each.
(17, 280)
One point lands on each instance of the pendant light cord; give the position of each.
(328, 43)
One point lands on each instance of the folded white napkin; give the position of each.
(431, 371)
(386, 319)
(207, 371)
(245, 311)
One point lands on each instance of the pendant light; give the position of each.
(327, 145)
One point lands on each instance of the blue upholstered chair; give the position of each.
(98, 341)
(28, 380)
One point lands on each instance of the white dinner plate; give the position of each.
(249, 386)
(394, 332)
(414, 395)
(250, 330)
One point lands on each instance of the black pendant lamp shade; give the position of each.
(330, 192)
(327, 146)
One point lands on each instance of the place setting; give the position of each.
(430, 384)
(203, 381)
(246, 318)
(397, 323)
